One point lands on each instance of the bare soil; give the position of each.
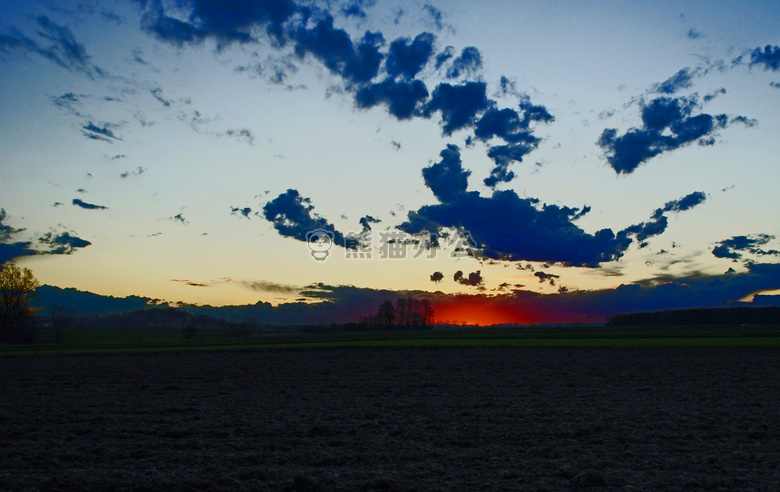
(393, 419)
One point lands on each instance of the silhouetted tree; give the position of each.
(401, 311)
(16, 290)
(427, 310)
(386, 313)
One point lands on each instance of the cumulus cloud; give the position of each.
(469, 63)
(366, 222)
(447, 179)
(667, 124)
(736, 247)
(102, 133)
(88, 206)
(681, 80)
(474, 279)
(685, 203)
(402, 99)
(546, 277)
(292, 216)
(334, 48)
(224, 22)
(406, 58)
(437, 277)
(505, 226)
(768, 58)
(459, 105)
(63, 243)
(512, 127)
(241, 212)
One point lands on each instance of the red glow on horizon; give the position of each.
(478, 312)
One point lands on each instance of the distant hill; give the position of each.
(86, 303)
(701, 316)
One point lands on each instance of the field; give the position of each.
(107, 340)
(394, 418)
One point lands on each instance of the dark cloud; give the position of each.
(658, 221)
(366, 222)
(769, 57)
(474, 279)
(645, 230)
(6, 231)
(445, 55)
(157, 94)
(10, 250)
(667, 124)
(685, 203)
(459, 105)
(292, 216)
(103, 133)
(58, 45)
(179, 218)
(88, 206)
(406, 58)
(241, 212)
(506, 226)
(403, 99)
(356, 8)
(681, 80)
(546, 277)
(692, 34)
(437, 277)
(265, 286)
(63, 243)
(69, 102)
(244, 134)
(334, 49)
(63, 48)
(447, 179)
(137, 172)
(435, 15)
(190, 283)
(224, 22)
(507, 87)
(737, 246)
(468, 63)
(776, 85)
(514, 128)
(712, 95)
(748, 122)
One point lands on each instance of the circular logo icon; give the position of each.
(319, 242)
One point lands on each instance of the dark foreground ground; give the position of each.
(394, 419)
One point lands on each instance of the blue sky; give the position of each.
(583, 145)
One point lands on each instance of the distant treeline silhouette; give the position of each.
(408, 312)
(701, 316)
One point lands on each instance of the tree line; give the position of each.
(408, 312)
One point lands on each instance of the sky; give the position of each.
(515, 162)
